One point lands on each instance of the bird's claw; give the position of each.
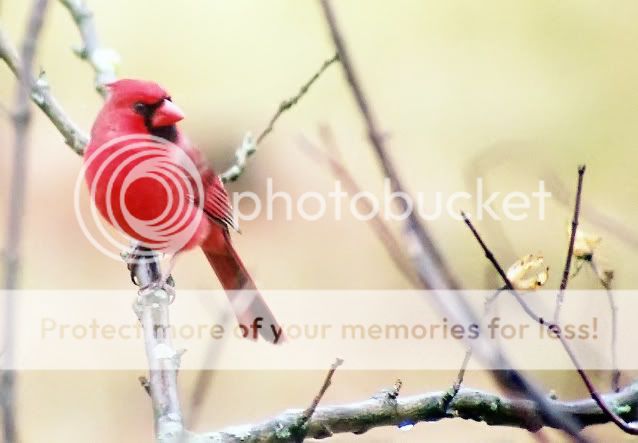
(165, 285)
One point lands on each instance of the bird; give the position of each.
(148, 181)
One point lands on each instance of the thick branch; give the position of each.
(151, 308)
(382, 410)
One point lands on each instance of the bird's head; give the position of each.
(146, 101)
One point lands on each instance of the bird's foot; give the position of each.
(165, 285)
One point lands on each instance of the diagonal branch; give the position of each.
(249, 145)
(40, 95)
(103, 60)
(308, 413)
(434, 272)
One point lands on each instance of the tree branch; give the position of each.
(103, 60)
(554, 328)
(40, 95)
(17, 191)
(570, 248)
(428, 262)
(249, 145)
(382, 410)
(151, 308)
(308, 413)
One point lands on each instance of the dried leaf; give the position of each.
(528, 273)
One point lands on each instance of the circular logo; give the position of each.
(147, 188)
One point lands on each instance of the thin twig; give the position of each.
(292, 101)
(570, 249)
(458, 382)
(613, 309)
(249, 145)
(307, 414)
(103, 60)
(490, 256)
(17, 191)
(555, 329)
(40, 95)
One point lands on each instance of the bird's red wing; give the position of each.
(217, 203)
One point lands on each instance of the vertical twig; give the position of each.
(615, 376)
(17, 191)
(570, 249)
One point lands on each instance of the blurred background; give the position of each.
(510, 91)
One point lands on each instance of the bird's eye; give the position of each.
(169, 98)
(140, 108)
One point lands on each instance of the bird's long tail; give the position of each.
(250, 308)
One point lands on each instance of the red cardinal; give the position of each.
(150, 183)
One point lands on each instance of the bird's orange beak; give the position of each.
(167, 114)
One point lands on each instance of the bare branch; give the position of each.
(555, 329)
(433, 271)
(382, 410)
(249, 145)
(307, 415)
(103, 60)
(606, 283)
(40, 95)
(151, 308)
(570, 248)
(17, 191)
(508, 284)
